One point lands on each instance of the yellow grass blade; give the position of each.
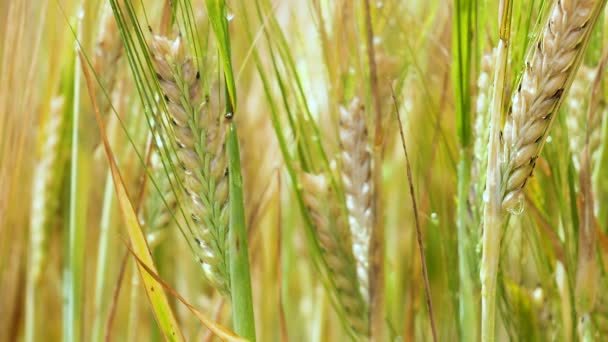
(217, 329)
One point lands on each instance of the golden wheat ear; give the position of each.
(482, 126)
(45, 186)
(199, 142)
(550, 67)
(586, 114)
(356, 174)
(335, 242)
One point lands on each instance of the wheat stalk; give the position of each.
(108, 51)
(356, 175)
(199, 142)
(549, 69)
(335, 242)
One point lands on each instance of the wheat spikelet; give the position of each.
(107, 54)
(335, 242)
(357, 181)
(45, 186)
(200, 148)
(549, 69)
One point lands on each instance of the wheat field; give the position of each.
(303, 170)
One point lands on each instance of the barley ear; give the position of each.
(334, 240)
(199, 142)
(550, 66)
(584, 122)
(45, 202)
(356, 172)
(45, 186)
(587, 112)
(482, 127)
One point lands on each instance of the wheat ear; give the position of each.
(576, 103)
(107, 54)
(549, 69)
(199, 142)
(482, 127)
(586, 108)
(587, 114)
(46, 185)
(335, 242)
(357, 181)
(45, 201)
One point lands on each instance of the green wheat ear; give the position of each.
(199, 142)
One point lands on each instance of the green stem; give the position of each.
(76, 238)
(102, 257)
(461, 76)
(133, 307)
(240, 279)
(467, 310)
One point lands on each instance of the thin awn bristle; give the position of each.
(107, 54)
(335, 242)
(45, 188)
(550, 67)
(356, 174)
(200, 148)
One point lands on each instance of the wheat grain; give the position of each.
(200, 148)
(549, 68)
(357, 181)
(335, 242)
(107, 54)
